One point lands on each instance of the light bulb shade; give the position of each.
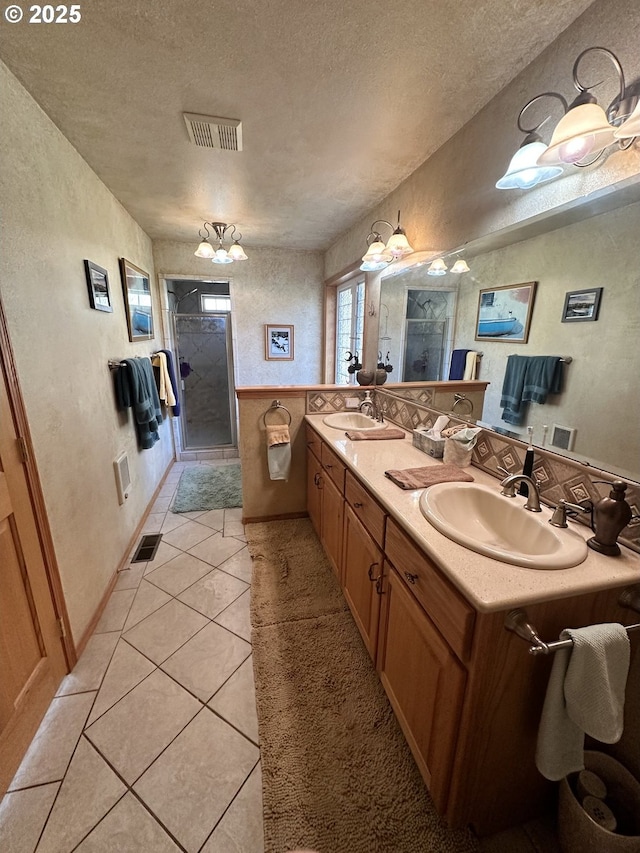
(237, 253)
(377, 252)
(524, 172)
(437, 267)
(630, 127)
(222, 257)
(460, 266)
(398, 244)
(372, 266)
(580, 132)
(204, 250)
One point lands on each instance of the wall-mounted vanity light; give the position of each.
(581, 136)
(585, 129)
(220, 254)
(439, 267)
(379, 255)
(524, 171)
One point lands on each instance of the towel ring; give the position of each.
(276, 405)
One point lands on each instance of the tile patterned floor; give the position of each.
(151, 743)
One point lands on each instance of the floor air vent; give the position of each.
(213, 132)
(147, 548)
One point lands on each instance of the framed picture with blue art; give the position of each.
(504, 313)
(137, 300)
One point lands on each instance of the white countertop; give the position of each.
(488, 584)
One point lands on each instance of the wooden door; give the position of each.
(32, 658)
(362, 573)
(332, 515)
(424, 682)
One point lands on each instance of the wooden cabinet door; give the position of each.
(32, 661)
(362, 579)
(314, 493)
(331, 525)
(425, 684)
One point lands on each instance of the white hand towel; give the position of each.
(278, 451)
(585, 694)
(470, 365)
(279, 459)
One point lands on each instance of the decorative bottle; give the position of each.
(610, 516)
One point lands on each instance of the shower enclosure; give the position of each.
(205, 367)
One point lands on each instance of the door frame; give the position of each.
(170, 340)
(18, 411)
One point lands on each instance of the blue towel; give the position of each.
(528, 379)
(512, 389)
(543, 377)
(458, 361)
(172, 377)
(136, 389)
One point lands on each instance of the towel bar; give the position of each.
(276, 405)
(517, 621)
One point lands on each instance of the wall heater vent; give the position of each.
(213, 132)
(123, 477)
(563, 436)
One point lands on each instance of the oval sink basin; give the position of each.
(352, 420)
(482, 519)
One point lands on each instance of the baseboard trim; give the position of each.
(88, 632)
(260, 518)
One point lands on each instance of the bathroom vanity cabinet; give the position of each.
(465, 691)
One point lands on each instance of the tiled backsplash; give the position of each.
(557, 476)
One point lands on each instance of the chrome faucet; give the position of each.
(509, 490)
(371, 406)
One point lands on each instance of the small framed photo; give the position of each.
(504, 313)
(137, 300)
(581, 305)
(278, 343)
(98, 285)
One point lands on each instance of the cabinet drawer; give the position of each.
(333, 466)
(314, 442)
(452, 614)
(367, 509)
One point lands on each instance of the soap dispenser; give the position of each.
(610, 516)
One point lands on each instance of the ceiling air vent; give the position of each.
(212, 132)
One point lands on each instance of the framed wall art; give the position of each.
(137, 300)
(504, 313)
(278, 343)
(581, 305)
(98, 286)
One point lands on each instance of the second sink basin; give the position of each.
(352, 420)
(482, 519)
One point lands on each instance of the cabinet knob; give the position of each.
(411, 578)
(328, 465)
(356, 505)
(316, 479)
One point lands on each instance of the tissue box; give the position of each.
(432, 446)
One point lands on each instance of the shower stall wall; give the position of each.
(203, 345)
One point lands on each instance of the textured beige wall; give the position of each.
(261, 496)
(277, 286)
(600, 394)
(56, 212)
(451, 198)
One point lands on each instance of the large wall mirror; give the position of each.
(599, 407)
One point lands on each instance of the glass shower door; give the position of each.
(203, 343)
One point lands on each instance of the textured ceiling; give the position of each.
(339, 101)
